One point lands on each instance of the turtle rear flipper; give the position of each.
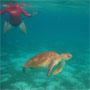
(59, 67)
(24, 70)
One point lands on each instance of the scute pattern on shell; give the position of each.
(41, 58)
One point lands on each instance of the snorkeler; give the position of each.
(13, 17)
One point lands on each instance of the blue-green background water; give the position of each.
(60, 26)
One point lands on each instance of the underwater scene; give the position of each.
(60, 26)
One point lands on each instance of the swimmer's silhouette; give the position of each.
(13, 17)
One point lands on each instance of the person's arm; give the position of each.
(3, 11)
(25, 13)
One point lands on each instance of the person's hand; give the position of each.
(34, 13)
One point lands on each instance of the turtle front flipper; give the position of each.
(59, 67)
(51, 65)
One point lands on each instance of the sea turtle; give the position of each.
(49, 59)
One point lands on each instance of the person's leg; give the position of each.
(22, 27)
(7, 27)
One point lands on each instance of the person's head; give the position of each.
(13, 5)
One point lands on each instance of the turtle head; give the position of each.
(66, 56)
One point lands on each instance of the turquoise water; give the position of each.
(60, 26)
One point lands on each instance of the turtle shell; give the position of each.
(41, 59)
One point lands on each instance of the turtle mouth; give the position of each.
(70, 56)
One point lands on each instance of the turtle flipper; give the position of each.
(24, 69)
(50, 67)
(59, 67)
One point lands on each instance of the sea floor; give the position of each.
(75, 75)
